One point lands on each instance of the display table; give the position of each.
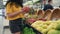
(36, 31)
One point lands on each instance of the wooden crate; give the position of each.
(47, 14)
(56, 14)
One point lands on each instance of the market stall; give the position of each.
(43, 22)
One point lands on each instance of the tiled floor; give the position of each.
(6, 23)
(7, 31)
(1, 25)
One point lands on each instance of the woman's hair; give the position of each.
(17, 2)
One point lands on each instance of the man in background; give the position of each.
(48, 6)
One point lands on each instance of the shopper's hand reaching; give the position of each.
(26, 9)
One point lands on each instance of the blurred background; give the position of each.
(4, 24)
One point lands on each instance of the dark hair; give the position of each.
(49, 0)
(17, 2)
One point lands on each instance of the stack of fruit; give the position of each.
(56, 30)
(46, 27)
(31, 18)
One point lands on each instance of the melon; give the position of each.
(53, 32)
(58, 27)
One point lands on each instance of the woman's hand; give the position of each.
(23, 10)
(26, 9)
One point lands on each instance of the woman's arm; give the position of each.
(23, 10)
(14, 14)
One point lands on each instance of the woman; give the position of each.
(14, 15)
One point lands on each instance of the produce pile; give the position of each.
(40, 23)
(31, 16)
(28, 31)
(47, 27)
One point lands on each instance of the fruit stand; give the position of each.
(43, 22)
(47, 22)
(46, 27)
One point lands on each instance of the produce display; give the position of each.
(41, 24)
(31, 20)
(45, 26)
(31, 17)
